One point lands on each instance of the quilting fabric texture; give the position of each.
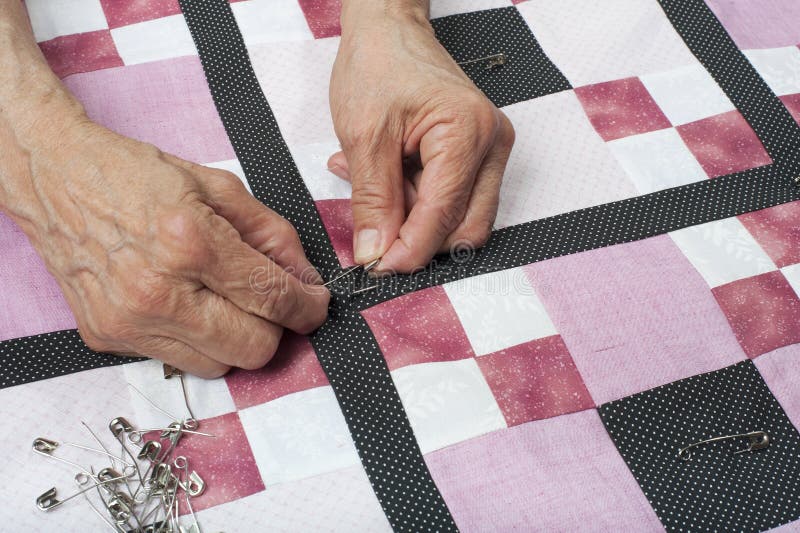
(649, 297)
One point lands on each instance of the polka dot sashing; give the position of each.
(528, 72)
(715, 490)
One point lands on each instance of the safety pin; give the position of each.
(189, 423)
(49, 499)
(164, 431)
(89, 501)
(494, 60)
(756, 440)
(369, 266)
(45, 446)
(170, 372)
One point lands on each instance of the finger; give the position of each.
(476, 227)
(260, 227)
(450, 162)
(259, 286)
(337, 164)
(376, 172)
(221, 331)
(181, 356)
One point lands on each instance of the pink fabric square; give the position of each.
(724, 144)
(777, 231)
(781, 371)
(621, 108)
(420, 327)
(759, 23)
(122, 13)
(225, 462)
(165, 103)
(337, 217)
(81, 52)
(792, 103)
(322, 17)
(549, 475)
(535, 380)
(634, 316)
(31, 301)
(293, 368)
(763, 310)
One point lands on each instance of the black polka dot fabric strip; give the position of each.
(716, 490)
(49, 355)
(527, 73)
(710, 43)
(600, 226)
(345, 346)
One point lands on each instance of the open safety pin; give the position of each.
(49, 499)
(756, 440)
(369, 266)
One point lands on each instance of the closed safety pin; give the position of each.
(756, 440)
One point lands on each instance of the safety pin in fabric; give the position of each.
(369, 266)
(494, 60)
(756, 440)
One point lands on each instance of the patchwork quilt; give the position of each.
(641, 291)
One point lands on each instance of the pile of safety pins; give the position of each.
(144, 487)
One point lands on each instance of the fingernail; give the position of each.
(367, 246)
(339, 172)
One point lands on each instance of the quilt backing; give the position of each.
(641, 291)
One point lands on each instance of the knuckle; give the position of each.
(184, 239)
(261, 352)
(450, 215)
(370, 194)
(147, 295)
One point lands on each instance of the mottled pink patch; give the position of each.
(81, 52)
(337, 216)
(763, 310)
(559, 474)
(777, 230)
(724, 144)
(165, 103)
(293, 368)
(420, 327)
(322, 17)
(759, 23)
(792, 103)
(621, 108)
(31, 301)
(225, 462)
(535, 380)
(121, 13)
(634, 316)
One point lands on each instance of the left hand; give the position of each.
(399, 100)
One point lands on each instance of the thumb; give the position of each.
(376, 173)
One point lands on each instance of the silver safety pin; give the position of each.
(369, 266)
(756, 440)
(49, 499)
(46, 447)
(494, 60)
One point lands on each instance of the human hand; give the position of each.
(155, 255)
(424, 149)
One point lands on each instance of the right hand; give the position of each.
(155, 255)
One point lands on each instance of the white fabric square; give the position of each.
(687, 94)
(559, 163)
(312, 162)
(232, 165)
(499, 310)
(443, 8)
(207, 397)
(592, 42)
(54, 18)
(657, 160)
(792, 275)
(295, 80)
(447, 402)
(722, 251)
(153, 40)
(266, 21)
(299, 435)
(780, 68)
